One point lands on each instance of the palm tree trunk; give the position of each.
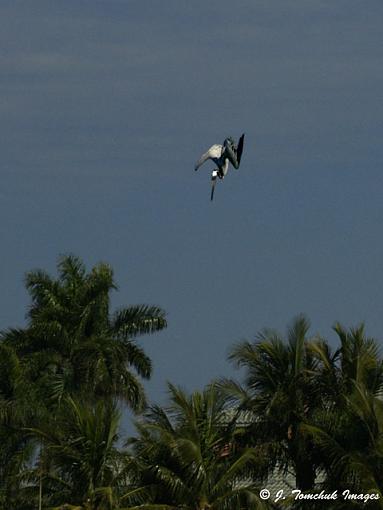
(305, 475)
(41, 489)
(41, 446)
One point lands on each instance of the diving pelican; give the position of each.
(222, 155)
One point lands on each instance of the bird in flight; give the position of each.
(222, 155)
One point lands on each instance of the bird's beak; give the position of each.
(213, 181)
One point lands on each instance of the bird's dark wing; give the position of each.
(240, 148)
(231, 154)
(234, 152)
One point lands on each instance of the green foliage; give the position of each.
(303, 407)
(317, 411)
(80, 463)
(73, 344)
(58, 378)
(349, 429)
(280, 392)
(187, 458)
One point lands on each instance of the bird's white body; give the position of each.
(216, 154)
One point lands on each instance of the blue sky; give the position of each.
(106, 106)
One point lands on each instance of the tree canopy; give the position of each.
(303, 406)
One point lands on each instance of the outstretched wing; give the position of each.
(213, 153)
(240, 148)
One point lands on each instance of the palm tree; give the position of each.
(17, 405)
(349, 429)
(186, 457)
(280, 394)
(349, 440)
(73, 344)
(82, 466)
(356, 360)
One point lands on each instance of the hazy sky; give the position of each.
(106, 106)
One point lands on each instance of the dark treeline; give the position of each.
(302, 408)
